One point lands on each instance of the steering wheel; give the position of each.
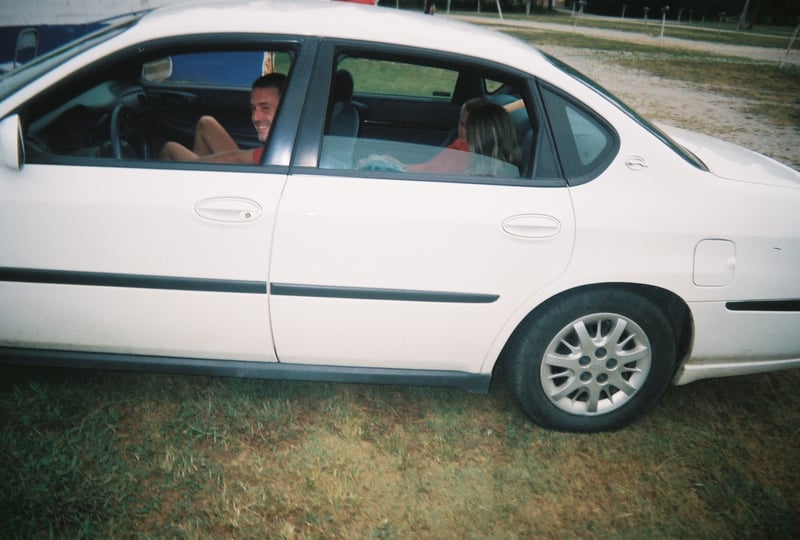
(125, 121)
(118, 115)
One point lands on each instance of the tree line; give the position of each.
(779, 12)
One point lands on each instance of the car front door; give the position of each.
(136, 260)
(138, 257)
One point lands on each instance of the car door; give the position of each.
(137, 261)
(139, 257)
(405, 270)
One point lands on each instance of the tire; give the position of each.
(594, 360)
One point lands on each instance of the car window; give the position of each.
(128, 108)
(590, 138)
(387, 115)
(585, 145)
(492, 86)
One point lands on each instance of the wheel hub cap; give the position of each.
(596, 364)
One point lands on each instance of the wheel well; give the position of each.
(673, 307)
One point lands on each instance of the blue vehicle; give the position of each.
(20, 44)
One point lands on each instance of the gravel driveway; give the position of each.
(678, 103)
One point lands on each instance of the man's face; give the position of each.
(263, 104)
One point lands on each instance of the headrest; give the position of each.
(343, 86)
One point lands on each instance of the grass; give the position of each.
(774, 92)
(104, 455)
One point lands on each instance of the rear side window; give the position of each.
(585, 144)
(393, 116)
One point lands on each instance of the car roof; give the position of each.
(335, 19)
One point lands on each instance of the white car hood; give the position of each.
(734, 162)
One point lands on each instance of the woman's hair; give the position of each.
(491, 133)
(472, 104)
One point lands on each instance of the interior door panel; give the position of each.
(407, 120)
(177, 112)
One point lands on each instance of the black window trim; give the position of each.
(309, 140)
(279, 149)
(609, 155)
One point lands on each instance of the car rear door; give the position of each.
(417, 271)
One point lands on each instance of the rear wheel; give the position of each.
(591, 361)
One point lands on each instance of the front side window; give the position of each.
(192, 105)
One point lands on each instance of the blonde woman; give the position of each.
(492, 139)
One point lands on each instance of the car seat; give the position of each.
(344, 118)
(341, 130)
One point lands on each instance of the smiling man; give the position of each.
(213, 144)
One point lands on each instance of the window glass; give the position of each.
(585, 145)
(396, 117)
(492, 86)
(590, 138)
(229, 68)
(388, 156)
(114, 114)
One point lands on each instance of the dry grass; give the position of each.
(115, 455)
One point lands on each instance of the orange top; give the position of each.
(257, 155)
(453, 159)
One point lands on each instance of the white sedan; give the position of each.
(611, 259)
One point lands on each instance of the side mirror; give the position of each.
(158, 70)
(12, 152)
